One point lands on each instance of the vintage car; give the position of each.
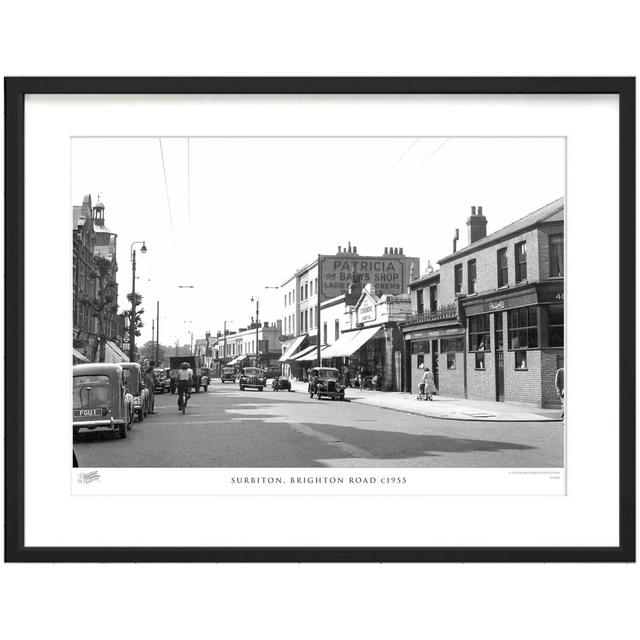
(100, 399)
(326, 381)
(228, 374)
(159, 386)
(252, 377)
(135, 386)
(280, 383)
(205, 377)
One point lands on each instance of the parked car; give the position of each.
(228, 374)
(326, 381)
(159, 387)
(100, 399)
(280, 384)
(135, 386)
(252, 377)
(205, 378)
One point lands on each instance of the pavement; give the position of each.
(447, 408)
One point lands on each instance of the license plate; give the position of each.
(86, 413)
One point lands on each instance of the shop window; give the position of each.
(521, 360)
(471, 276)
(451, 360)
(555, 315)
(499, 335)
(523, 328)
(420, 300)
(556, 255)
(457, 275)
(503, 268)
(479, 333)
(420, 359)
(450, 345)
(521, 261)
(480, 361)
(337, 329)
(420, 346)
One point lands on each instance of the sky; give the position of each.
(230, 217)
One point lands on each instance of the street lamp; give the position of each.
(132, 320)
(257, 301)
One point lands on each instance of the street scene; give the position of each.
(439, 347)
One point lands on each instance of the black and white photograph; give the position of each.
(315, 302)
(340, 307)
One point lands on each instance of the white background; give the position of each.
(332, 39)
(53, 517)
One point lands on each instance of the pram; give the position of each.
(422, 395)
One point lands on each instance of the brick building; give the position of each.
(493, 326)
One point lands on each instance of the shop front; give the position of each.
(515, 344)
(438, 346)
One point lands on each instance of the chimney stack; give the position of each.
(456, 237)
(477, 224)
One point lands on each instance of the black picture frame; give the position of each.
(15, 91)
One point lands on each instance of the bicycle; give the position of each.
(183, 398)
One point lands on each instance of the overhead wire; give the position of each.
(433, 153)
(166, 188)
(402, 155)
(189, 185)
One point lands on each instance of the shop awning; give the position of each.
(350, 342)
(113, 353)
(79, 356)
(292, 348)
(310, 354)
(239, 359)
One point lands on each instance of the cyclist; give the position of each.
(185, 379)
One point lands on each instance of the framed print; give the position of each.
(320, 319)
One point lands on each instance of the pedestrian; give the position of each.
(347, 376)
(429, 383)
(150, 384)
(560, 387)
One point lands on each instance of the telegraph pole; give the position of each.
(157, 331)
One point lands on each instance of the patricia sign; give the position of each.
(388, 275)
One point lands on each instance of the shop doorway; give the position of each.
(500, 376)
(499, 342)
(434, 362)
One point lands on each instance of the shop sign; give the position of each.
(386, 274)
(436, 334)
(523, 300)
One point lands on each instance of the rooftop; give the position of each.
(552, 212)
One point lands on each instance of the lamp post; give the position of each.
(132, 320)
(257, 301)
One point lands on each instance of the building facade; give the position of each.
(496, 328)
(333, 284)
(239, 347)
(95, 288)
